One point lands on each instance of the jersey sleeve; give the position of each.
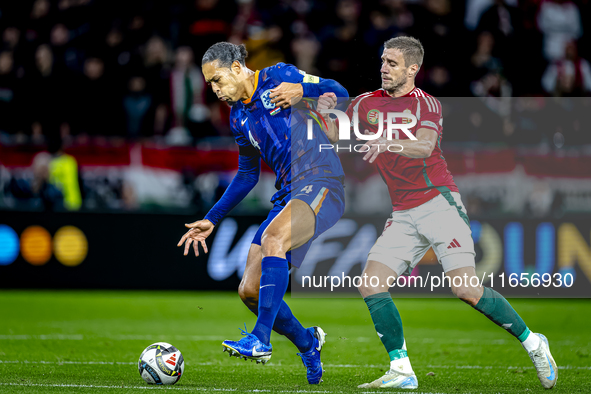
(282, 72)
(313, 86)
(429, 114)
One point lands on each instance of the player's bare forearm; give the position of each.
(326, 101)
(419, 149)
(333, 130)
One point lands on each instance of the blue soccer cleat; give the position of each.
(249, 348)
(311, 358)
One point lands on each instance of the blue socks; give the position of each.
(286, 324)
(274, 280)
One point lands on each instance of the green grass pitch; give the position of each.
(90, 341)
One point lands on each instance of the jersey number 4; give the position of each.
(307, 189)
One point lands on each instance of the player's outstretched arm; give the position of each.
(249, 168)
(295, 86)
(312, 89)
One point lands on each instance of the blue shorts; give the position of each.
(326, 197)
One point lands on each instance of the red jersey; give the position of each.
(411, 182)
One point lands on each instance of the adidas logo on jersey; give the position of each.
(454, 244)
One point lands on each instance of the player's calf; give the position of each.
(249, 294)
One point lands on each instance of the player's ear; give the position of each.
(413, 70)
(236, 67)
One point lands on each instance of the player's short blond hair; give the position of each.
(411, 48)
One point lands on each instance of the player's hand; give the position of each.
(286, 94)
(198, 232)
(327, 101)
(373, 147)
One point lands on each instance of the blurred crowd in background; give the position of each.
(105, 68)
(111, 73)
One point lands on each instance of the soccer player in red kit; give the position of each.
(427, 212)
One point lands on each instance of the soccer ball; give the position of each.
(161, 363)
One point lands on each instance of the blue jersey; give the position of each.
(279, 135)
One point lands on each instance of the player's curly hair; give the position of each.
(225, 53)
(411, 48)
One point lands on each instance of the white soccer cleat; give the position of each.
(393, 379)
(544, 363)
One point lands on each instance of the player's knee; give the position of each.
(272, 244)
(470, 295)
(249, 294)
(366, 290)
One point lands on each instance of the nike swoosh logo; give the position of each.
(387, 381)
(551, 377)
(257, 354)
(265, 286)
(244, 121)
(319, 348)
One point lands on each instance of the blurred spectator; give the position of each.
(8, 93)
(157, 68)
(475, 9)
(63, 174)
(570, 76)
(560, 23)
(98, 109)
(10, 37)
(262, 47)
(438, 29)
(187, 88)
(341, 46)
(137, 105)
(208, 22)
(493, 85)
(39, 23)
(48, 95)
(540, 200)
(305, 51)
(116, 53)
(502, 20)
(382, 28)
(402, 18)
(37, 192)
(483, 60)
(504, 23)
(66, 55)
(438, 82)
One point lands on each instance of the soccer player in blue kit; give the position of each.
(310, 197)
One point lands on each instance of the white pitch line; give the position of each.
(80, 337)
(288, 365)
(91, 386)
(118, 337)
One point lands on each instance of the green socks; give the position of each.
(496, 308)
(387, 322)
